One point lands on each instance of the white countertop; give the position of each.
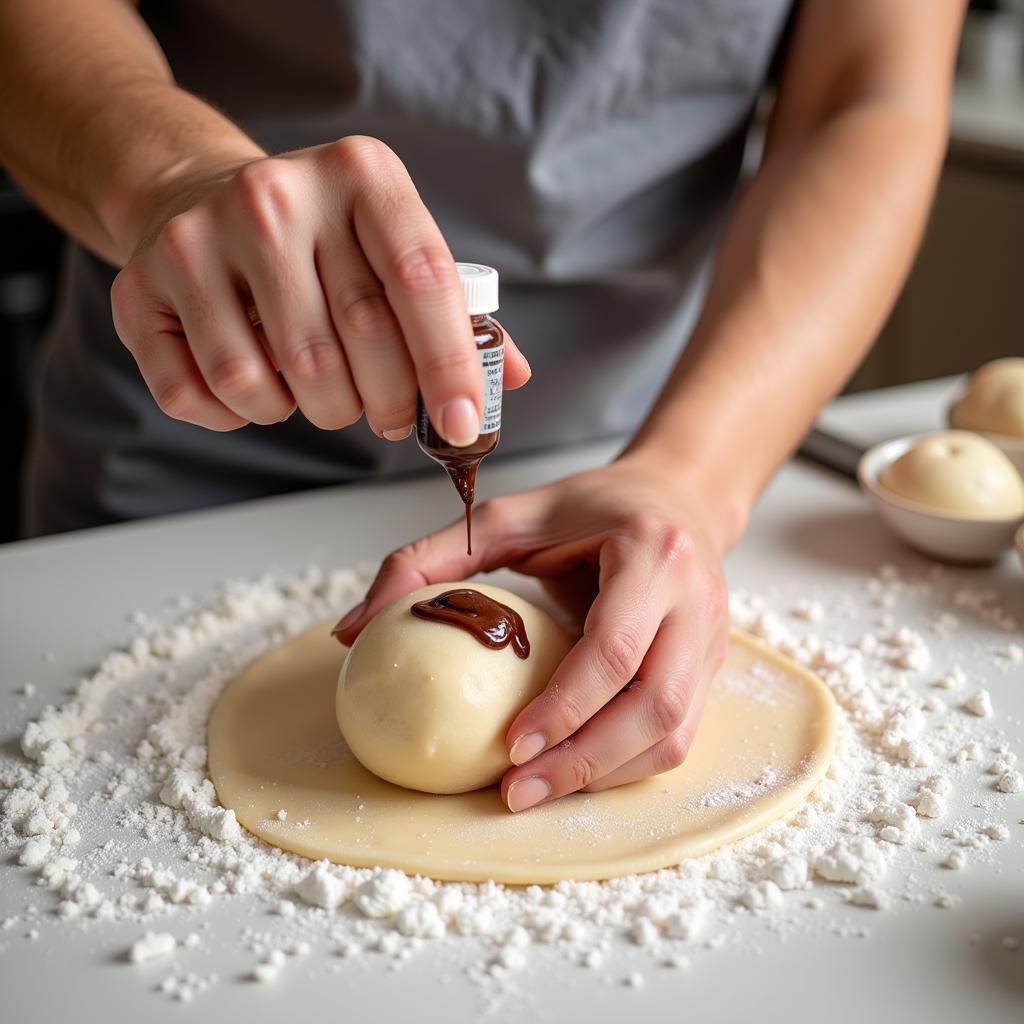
(812, 533)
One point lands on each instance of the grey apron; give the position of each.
(588, 150)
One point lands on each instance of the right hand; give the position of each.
(358, 305)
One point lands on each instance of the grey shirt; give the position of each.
(586, 148)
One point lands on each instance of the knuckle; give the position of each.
(668, 707)
(367, 312)
(176, 399)
(425, 270)
(674, 545)
(399, 560)
(314, 360)
(264, 190)
(494, 513)
(234, 377)
(669, 541)
(404, 562)
(671, 752)
(393, 414)
(362, 154)
(179, 238)
(450, 363)
(583, 768)
(618, 653)
(570, 712)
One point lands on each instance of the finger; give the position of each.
(516, 371)
(223, 343)
(287, 293)
(632, 600)
(153, 335)
(642, 715)
(174, 380)
(438, 558)
(672, 751)
(409, 256)
(378, 359)
(664, 756)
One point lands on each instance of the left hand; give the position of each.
(631, 550)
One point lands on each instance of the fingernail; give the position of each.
(527, 792)
(527, 747)
(398, 435)
(460, 422)
(350, 619)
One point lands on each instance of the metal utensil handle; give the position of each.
(832, 452)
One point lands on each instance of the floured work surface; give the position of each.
(766, 738)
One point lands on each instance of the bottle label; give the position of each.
(493, 362)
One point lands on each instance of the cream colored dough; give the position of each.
(958, 473)
(994, 399)
(427, 706)
(768, 734)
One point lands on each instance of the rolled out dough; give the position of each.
(766, 739)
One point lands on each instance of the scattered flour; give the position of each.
(152, 946)
(979, 703)
(112, 812)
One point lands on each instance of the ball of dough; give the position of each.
(425, 705)
(958, 473)
(994, 400)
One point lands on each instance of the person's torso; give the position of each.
(586, 150)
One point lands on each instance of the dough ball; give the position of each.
(994, 400)
(425, 705)
(958, 473)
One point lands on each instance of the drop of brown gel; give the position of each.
(491, 623)
(463, 474)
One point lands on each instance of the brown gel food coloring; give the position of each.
(491, 623)
(461, 463)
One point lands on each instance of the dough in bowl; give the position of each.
(994, 400)
(424, 704)
(957, 473)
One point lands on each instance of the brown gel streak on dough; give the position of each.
(492, 623)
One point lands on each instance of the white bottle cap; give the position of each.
(480, 286)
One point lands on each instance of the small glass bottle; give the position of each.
(480, 286)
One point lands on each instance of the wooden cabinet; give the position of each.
(963, 303)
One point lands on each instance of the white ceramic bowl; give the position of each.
(947, 537)
(1011, 447)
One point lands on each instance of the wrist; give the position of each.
(157, 174)
(133, 215)
(694, 478)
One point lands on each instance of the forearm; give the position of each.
(808, 269)
(92, 124)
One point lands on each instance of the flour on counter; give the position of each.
(979, 703)
(125, 756)
(152, 946)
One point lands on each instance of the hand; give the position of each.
(636, 559)
(315, 279)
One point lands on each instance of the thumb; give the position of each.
(517, 370)
(436, 558)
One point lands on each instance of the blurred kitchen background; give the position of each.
(962, 304)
